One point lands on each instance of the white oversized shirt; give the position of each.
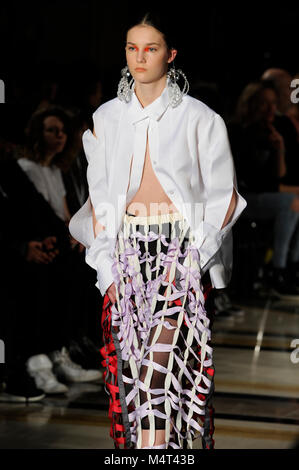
(191, 157)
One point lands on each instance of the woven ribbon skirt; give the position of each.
(159, 372)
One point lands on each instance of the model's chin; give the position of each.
(139, 75)
(143, 77)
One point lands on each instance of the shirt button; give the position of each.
(154, 162)
(171, 191)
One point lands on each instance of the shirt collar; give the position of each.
(154, 110)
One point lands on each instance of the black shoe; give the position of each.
(88, 345)
(20, 388)
(283, 286)
(92, 352)
(85, 353)
(221, 304)
(224, 304)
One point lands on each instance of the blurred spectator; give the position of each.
(55, 164)
(31, 236)
(49, 149)
(51, 293)
(54, 141)
(281, 81)
(259, 153)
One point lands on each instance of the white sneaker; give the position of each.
(40, 368)
(68, 370)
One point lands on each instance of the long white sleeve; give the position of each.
(81, 226)
(220, 180)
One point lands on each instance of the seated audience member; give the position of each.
(259, 153)
(48, 158)
(281, 81)
(31, 235)
(45, 288)
(48, 149)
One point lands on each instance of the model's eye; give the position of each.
(131, 47)
(150, 48)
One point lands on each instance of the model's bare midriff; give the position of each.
(150, 199)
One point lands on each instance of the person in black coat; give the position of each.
(47, 288)
(34, 244)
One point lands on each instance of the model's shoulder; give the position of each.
(198, 109)
(109, 108)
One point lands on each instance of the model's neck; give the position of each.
(149, 92)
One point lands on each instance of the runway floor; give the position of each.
(256, 391)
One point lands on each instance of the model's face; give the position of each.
(54, 134)
(146, 49)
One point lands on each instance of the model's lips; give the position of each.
(140, 69)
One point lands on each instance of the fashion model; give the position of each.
(162, 201)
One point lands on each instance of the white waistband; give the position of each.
(153, 219)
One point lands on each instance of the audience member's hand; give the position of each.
(49, 247)
(276, 139)
(81, 247)
(36, 254)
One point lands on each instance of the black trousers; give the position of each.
(44, 307)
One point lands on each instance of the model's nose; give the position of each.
(140, 56)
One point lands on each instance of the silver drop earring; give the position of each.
(174, 92)
(125, 88)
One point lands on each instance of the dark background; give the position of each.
(224, 45)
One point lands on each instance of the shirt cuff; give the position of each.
(104, 275)
(219, 276)
(98, 257)
(209, 238)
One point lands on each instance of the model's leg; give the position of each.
(157, 382)
(209, 416)
(155, 429)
